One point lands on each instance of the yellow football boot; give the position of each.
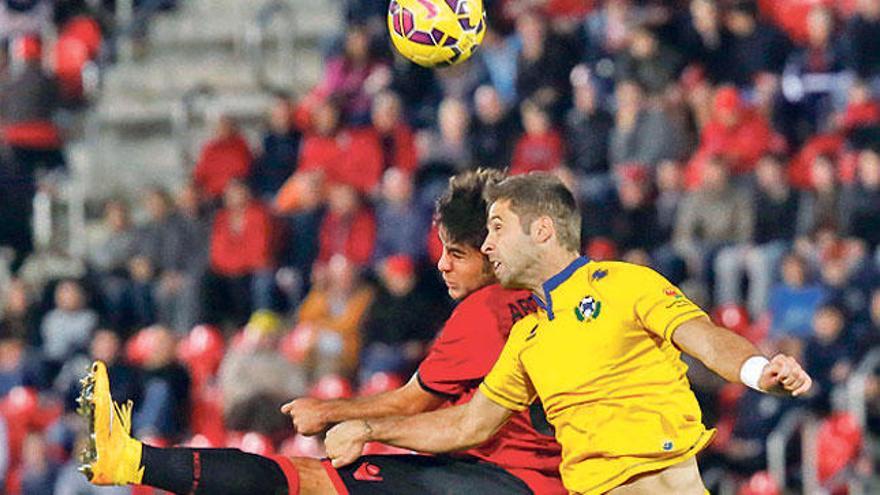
(112, 456)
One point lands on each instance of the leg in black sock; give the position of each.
(212, 471)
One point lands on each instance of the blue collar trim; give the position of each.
(557, 280)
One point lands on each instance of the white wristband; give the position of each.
(750, 373)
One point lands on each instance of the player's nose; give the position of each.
(443, 264)
(487, 246)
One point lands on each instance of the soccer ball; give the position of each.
(436, 33)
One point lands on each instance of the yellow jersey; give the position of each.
(599, 355)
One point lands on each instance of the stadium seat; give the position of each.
(202, 352)
(296, 344)
(760, 483)
(380, 382)
(330, 387)
(206, 415)
(302, 446)
(71, 55)
(839, 441)
(257, 443)
(732, 316)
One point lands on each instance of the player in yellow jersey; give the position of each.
(602, 354)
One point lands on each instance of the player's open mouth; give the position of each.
(496, 265)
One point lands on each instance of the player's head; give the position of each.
(461, 220)
(530, 217)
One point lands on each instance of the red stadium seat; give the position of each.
(86, 30)
(760, 483)
(206, 415)
(202, 351)
(839, 443)
(302, 446)
(257, 443)
(71, 55)
(380, 382)
(296, 344)
(732, 316)
(139, 346)
(331, 387)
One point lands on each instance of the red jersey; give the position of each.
(463, 353)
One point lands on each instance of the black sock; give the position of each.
(211, 471)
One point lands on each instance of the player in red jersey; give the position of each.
(522, 457)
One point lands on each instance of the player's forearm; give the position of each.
(375, 406)
(445, 430)
(721, 350)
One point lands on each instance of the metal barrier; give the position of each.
(257, 33)
(790, 425)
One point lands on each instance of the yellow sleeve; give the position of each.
(507, 384)
(660, 306)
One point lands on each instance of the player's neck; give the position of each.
(551, 264)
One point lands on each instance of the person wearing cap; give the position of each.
(736, 133)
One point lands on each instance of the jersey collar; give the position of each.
(557, 280)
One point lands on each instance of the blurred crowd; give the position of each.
(732, 145)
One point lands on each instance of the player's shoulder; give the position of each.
(619, 276)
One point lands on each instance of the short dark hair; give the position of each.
(461, 210)
(538, 194)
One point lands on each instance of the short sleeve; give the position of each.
(507, 384)
(464, 352)
(660, 306)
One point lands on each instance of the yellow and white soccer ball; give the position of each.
(436, 33)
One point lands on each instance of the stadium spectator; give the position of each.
(648, 62)
(239, 279)
(735, 132)
(112, 244)
(829, 354)
(333, 311)
(588, 128)
(861, 203)
(492, 130)
(775, 222)
(756, 47)
(19, 318)
(634, 223)
(107, 347)
(348, 228)
(400, 226)
(177, 288)
(13, 361)
(499, 55)
(394, 134)
(164, 409)
(821, 205)
(643, 131)
(38, 469)
(303, 226)
(447, 147)
(277, 159)
(67, 329)
(867, 332)
(353, 77)
(862, 111)
(254, 366)
(794, 301)
(756, 417)
(540, 148)
(224, 157)
(705, 40)
(863, 39)
(543, 65)
(807, 105)
(714, 216)
(344, 155)
(4, 452)
(397, 325)
(23, 18)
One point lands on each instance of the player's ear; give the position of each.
(543, 229)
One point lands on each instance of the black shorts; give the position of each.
(424, 475)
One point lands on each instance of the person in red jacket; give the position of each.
(735, 132)
(348, 228)
(540, 148)
(348, 156)
(224, 157)
(394, 135)
(240, 274)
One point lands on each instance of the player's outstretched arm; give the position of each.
(738, 360)
(445, 430)
(313, 416)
